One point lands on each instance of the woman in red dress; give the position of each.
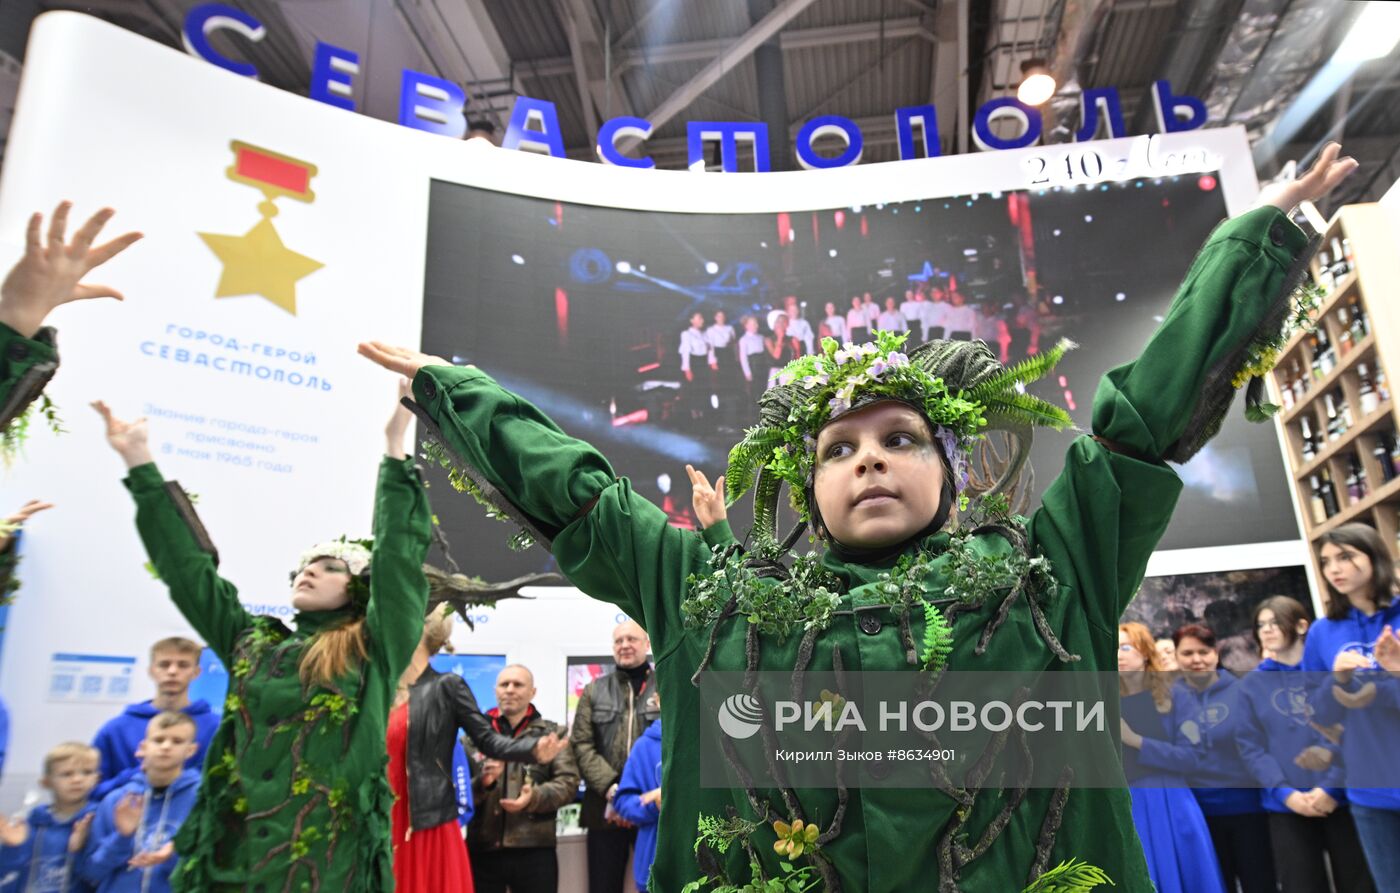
(429, 708)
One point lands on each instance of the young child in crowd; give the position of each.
(132, 847)
(42, 854)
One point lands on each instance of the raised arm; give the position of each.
(47, 276)
(179, 547)
(470, 719)
(611, 543)
(1102, 517)
(398, 589)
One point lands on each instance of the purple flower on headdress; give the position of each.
(877, 368)
(957, 456)
(785, 379)
(846, 354)
(812, 381)
(838, 404)
(897, 359)
(867, 349)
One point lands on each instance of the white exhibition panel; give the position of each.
(108, 118)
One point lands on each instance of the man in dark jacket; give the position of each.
(613, 712)
(511, 836)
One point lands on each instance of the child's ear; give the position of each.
(141, 749)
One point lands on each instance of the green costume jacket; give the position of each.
(26, 365)
(1098, 524)
(295, 794)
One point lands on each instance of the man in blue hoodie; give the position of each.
(43, 854)
(131, 848)
(638, 799)
(174, 665)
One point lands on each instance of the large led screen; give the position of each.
(650, 334)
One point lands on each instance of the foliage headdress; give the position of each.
(958, 386)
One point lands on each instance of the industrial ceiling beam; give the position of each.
(705, 50)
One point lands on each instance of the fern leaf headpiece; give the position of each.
(959, 386)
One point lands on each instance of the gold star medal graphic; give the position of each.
(257, 263)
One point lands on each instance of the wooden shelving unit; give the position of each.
(1369, 443)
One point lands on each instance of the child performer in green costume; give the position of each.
(872, 443)
(295, 795)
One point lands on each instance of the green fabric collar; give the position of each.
(311, 622)
(854, 575)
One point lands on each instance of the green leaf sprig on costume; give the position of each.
(1263, 354)
(17, 432)
(938, 638)
(804, 601)
(958, 386)
(434, 452)
(719, 835)
(1070, 877)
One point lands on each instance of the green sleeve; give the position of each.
(1101, 518)
(611, 543)
(398, 589)
(186, 560)
(719, 534)
(26, 365)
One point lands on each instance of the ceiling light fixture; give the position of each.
(1037, 84)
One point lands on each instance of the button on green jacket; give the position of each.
(1098, 524)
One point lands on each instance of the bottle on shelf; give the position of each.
(1394, 455)
(1360, 323)
(1344, 414)
(1346, 253)
(1324, 271)
(1328, 493)
(1367, 396)
(1357, 486)
(1334, 421)
(1327, 360)
(1382, 453)
(1315, 348)
(1344, 339)
(1301, 381)
(1340, 266)
(1316, 507)
(1381, 390)
(1309, 448)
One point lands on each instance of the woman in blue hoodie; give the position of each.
(638, 799)
(1360, 578)
(1278, 738)
(1205, 720)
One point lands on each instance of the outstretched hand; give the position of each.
(16, 520)
(49, 273)
(127, 438)
(548, 747)
(707, 500)
(1388, 651)
(1326, 174)
(398, 359)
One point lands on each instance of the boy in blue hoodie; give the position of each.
(174, 665)
(43, 854)
(131, 848)
(638, 799)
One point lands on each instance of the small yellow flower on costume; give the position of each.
(794, 839)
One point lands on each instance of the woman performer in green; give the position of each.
(295, 795)
(872, 443)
